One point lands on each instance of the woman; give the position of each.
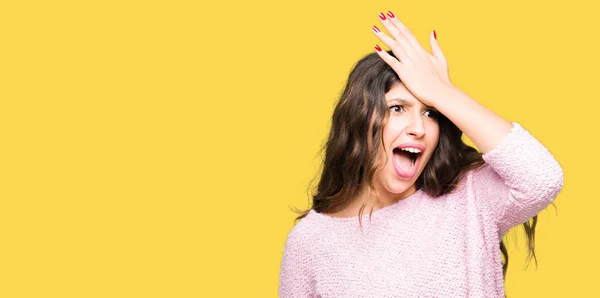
(438, 209)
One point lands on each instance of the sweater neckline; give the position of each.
(383, 212)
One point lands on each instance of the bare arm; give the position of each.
(485, 128)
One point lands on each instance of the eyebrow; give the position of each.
(410, 103)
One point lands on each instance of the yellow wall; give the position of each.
(152, 148)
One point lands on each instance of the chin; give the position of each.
(398, 187)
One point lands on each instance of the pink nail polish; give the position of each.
(390, 14)
(377, 48)
(376, 30)
(382, 16)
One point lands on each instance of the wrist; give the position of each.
(442, 94)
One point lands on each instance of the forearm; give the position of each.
(485, 128)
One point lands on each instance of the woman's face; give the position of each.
(411, 126)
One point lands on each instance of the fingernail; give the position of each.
(382, 16)
(390, 14)
(434, 35)
(377, 48)
(376, 30)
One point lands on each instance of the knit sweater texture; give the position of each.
(423, 246)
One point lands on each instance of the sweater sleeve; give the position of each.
(520, 179)
(295, 279)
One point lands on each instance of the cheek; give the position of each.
(386, 137)
(433, 138)
(382, 158)
(434, 133)
(391, 132)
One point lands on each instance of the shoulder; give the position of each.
(484, 176)
(302, 233)
(485, 171)
(483, 185)
(480, 177)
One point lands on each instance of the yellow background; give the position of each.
(152, 148)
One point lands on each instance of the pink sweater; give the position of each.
(423, 246)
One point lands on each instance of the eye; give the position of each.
(396, 108)
(432, 114)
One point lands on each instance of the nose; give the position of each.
(416, 127)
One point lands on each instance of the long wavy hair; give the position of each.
(350, 153)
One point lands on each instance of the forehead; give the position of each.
(400, 94)
(399, 91)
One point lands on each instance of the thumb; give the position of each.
(435, 47)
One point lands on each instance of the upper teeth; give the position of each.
(411, 150)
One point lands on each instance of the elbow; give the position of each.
(540, 188)
(550, 183)
(558, 182)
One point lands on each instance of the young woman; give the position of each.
(438, 208)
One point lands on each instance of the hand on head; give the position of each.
(423, 74)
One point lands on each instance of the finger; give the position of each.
(391, 43)
(435, 47)
(394, 63)
(402, 30)
(395, 32)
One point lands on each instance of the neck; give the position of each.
(387, 198)
(368, 198)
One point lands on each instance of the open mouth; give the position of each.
(406, 162)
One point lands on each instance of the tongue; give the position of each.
(404, 161)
